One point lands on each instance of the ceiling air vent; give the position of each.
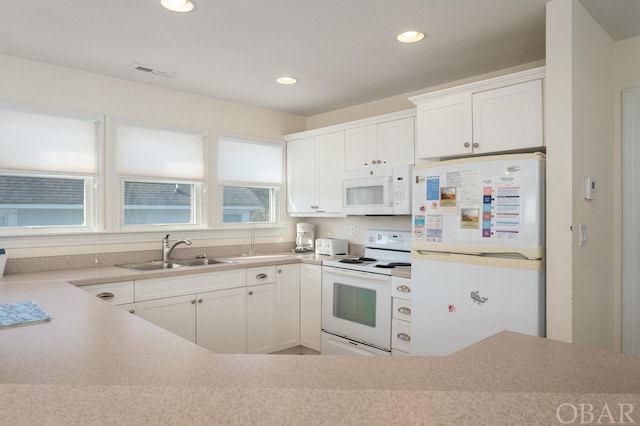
(148, 70)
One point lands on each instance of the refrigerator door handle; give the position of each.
(504, 255)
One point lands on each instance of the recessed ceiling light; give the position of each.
(410, 36)
(178, 5)
(287, 80)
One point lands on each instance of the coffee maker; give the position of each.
(305, 237)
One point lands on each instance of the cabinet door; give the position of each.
(288, 305)
(261, 319)
(301, 176)
(361, 147)
(396, 141)
(444, 127)
(310, 306)
(508, 118)
(221, 321)
(175, 314)
(330, 169)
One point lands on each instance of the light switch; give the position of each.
(582, 234)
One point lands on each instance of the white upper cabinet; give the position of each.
(496, 115)
(315, 166)
(390, 143)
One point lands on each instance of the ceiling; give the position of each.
(343, 52)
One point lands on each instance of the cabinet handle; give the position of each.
(105, 296)
(131, 311)
(193, 302)
(476, 144)
(279, 271)
(261, 276)
(404, 310)
(199, 300)
(250, 293)
(467, 144)
(404, 336)
(404, 288)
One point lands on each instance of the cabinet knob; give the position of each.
(261, 276)
(404, 288)
(404, 336)
(131, 311)
(250, 293)
(467, 144)
(476, 144)
(199, 300)
(193, 302)
(279, 271)
(105, 296)
(404, 310)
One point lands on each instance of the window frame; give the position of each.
(199, 197)
(93, 182)
(217, 203)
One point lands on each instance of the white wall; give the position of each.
(399, 102)
(581, 280)
(39, 83)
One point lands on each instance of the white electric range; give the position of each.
(356, 295)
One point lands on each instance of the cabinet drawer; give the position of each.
(401, 287)
(401, 335)
(114, 293)
(261, 275)
(402, 309)
(154, 288)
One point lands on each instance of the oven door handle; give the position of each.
(356, 274)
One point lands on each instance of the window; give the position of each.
(48, 169)
(161, 174)
(250, 176)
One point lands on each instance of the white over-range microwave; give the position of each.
(382, 190)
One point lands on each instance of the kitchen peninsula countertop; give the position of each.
(96, 364)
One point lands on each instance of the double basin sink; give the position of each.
(156, 265)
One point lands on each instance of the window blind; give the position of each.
(46, 143)
(158, 153)
(249, 162)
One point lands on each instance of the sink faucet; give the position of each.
(166, 249)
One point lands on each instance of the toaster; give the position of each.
(331, 246)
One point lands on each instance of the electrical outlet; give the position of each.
(353, 230)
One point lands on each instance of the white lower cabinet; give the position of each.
(288, 306)
(221, 321)
(310, 306)
(401, 316)
(176, 314)
(261, 319)
(253, 310)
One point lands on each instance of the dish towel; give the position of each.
(22, 313)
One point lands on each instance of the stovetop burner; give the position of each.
(359, 260)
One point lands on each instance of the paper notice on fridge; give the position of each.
(502, 199)
(419, 227)
(434, 229)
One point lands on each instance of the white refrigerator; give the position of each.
(477, 250)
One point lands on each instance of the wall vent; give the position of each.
(142, 68)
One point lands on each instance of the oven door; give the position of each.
(357, 305)
(367, 196)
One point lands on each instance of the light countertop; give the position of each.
(96, 364)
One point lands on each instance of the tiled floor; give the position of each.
(298, 350)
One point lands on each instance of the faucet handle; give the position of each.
(166, 238)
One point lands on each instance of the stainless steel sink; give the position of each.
(199, 262)
(157, 265)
